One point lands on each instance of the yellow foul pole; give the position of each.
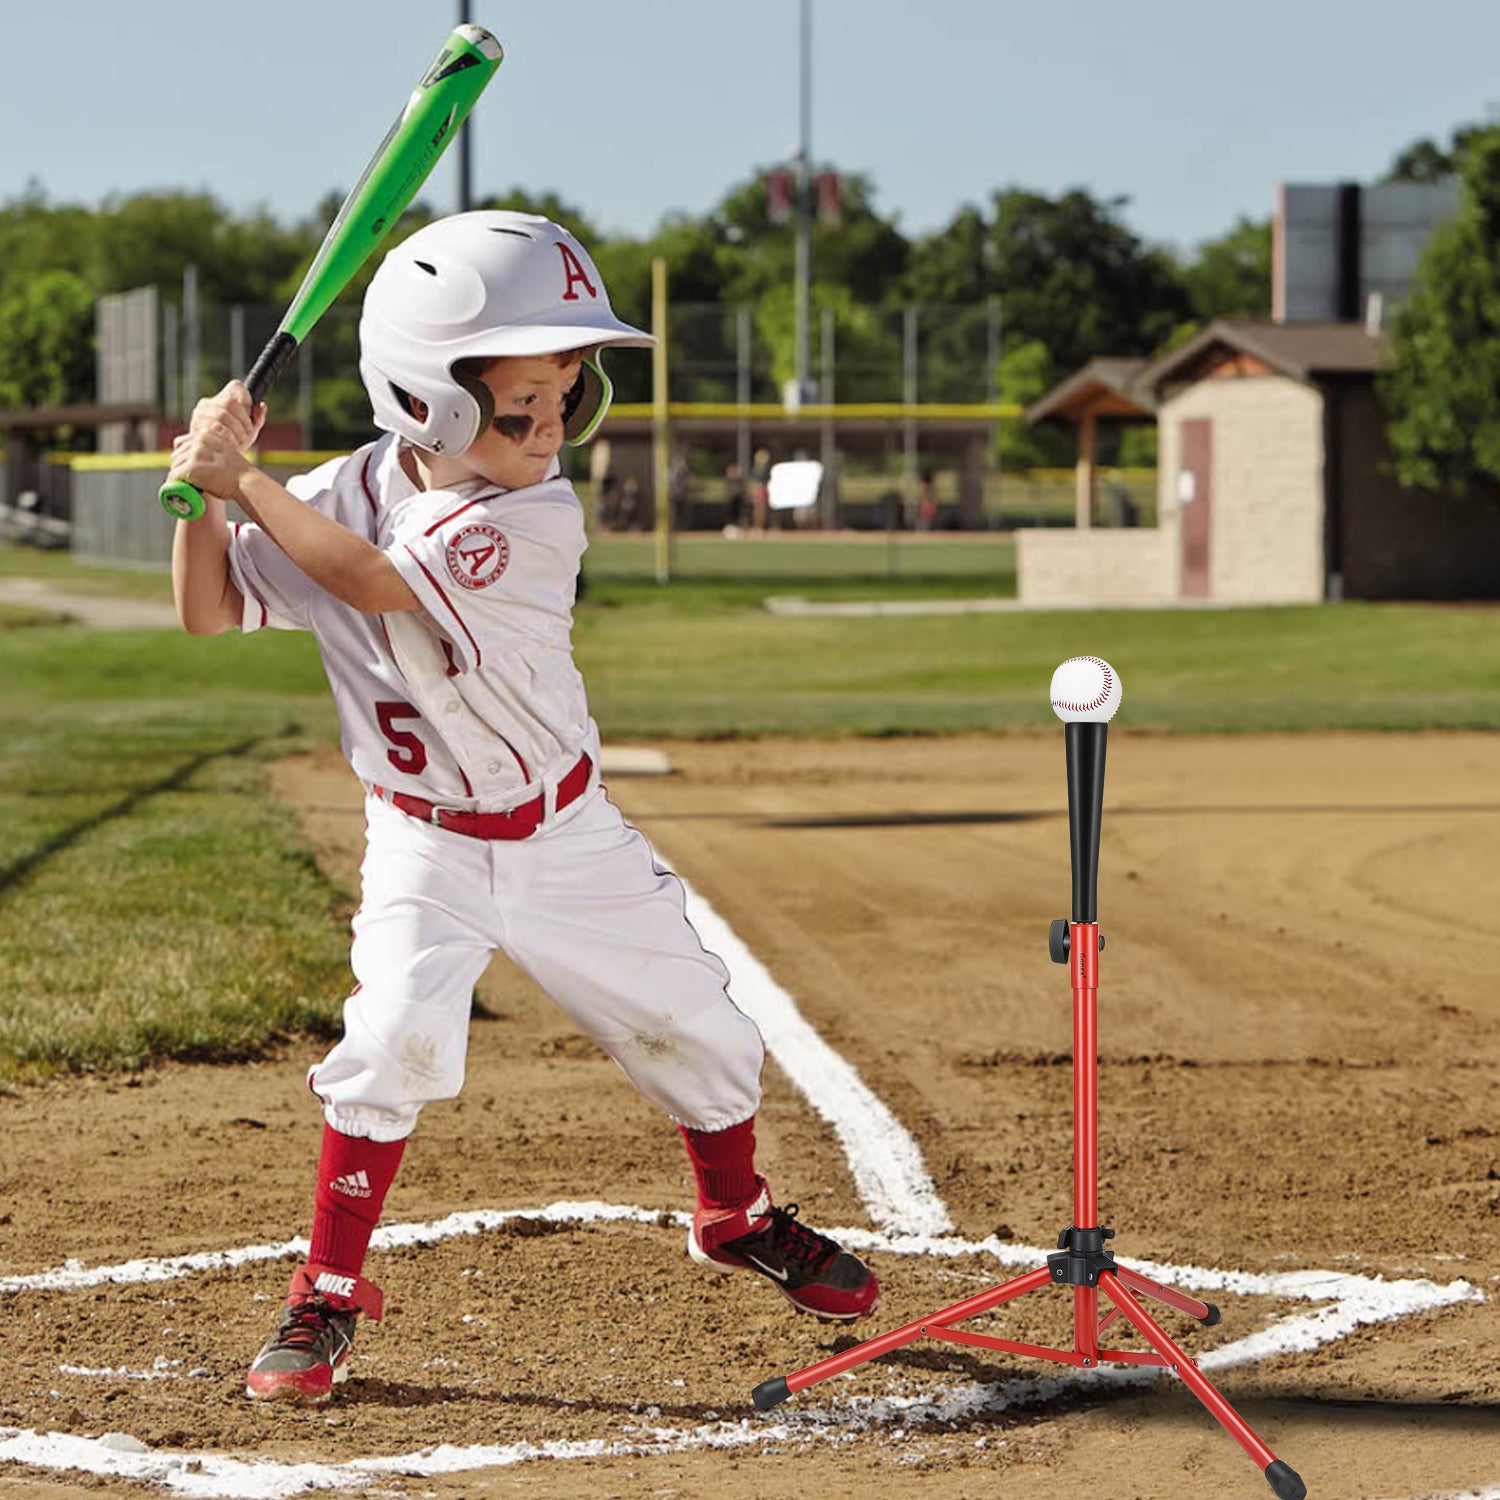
(660, 434)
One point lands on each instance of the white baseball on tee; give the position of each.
(1085, 689)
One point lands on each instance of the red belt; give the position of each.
(516, 823)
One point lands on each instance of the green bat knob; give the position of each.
(181, 499)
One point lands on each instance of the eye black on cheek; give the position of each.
(514, 427)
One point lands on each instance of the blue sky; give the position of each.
(1191, 110)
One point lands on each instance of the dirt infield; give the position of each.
(1301, 1073)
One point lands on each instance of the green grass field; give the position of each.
(622, 567)
(59, 568)
(747, 672)
(155, 903)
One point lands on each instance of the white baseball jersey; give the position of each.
(479, 710)
(473, 704)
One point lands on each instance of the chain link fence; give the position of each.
(901, 410)
(718, 354)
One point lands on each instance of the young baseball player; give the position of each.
(437, 569)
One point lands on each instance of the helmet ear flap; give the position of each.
(587, 403)
(484, 399)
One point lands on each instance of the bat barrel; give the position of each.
(422, 131)
(481, 40)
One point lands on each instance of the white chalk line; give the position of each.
(162, 1369)
(900, 1196)
(1493, 1494)
(889, 1173)
(1467, 1494)
(1347, 1302)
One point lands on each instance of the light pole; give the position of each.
(804, 209)
(465, 160)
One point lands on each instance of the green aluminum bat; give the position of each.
(400, 166)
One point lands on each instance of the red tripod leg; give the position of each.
(773, 1392)
(1284, 1480)
(1205, 1312)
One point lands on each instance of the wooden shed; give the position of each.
(1276, 486)
(1103, 391)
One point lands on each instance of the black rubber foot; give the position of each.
(1214, 1316)
(771, 1393)
(1285, 1480)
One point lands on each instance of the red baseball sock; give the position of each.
(354, 1175)
(724, 1164)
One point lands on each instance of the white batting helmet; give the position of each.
(476, 286)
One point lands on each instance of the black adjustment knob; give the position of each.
(1058, 941)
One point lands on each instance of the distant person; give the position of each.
(631, 511)
(608, 512)
(736, 500)
(679, 492)
(927, 502)
(760, 488)
(892, 510)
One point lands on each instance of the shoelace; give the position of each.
(305, 1326)
(799, 1242)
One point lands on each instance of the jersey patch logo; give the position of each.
(477, 556)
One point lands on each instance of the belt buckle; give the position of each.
(435, 817)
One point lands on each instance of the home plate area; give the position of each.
(1296, 1311)
(648, 1360)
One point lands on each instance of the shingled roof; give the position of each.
(1301, 351)
(1105, 386)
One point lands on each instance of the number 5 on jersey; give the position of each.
(410, 754)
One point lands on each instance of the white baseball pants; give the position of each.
(584, 909)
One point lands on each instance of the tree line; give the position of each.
(1443, 390)
(1071, 278)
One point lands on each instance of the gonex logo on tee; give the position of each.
(477, 556)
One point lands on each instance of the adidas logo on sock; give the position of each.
(335, 1286)
(352, 1185)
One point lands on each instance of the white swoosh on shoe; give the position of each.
(770, 1271)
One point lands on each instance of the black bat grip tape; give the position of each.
(266, 370)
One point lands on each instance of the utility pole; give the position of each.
(804, 207)
(661, 436)
(465, 159)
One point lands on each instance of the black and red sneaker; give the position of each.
(307, 1354)
(814, 1273)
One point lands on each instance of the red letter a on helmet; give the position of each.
(576, 274)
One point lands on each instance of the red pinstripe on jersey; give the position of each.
(453, 515)
(427, 574)
(364, 479)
